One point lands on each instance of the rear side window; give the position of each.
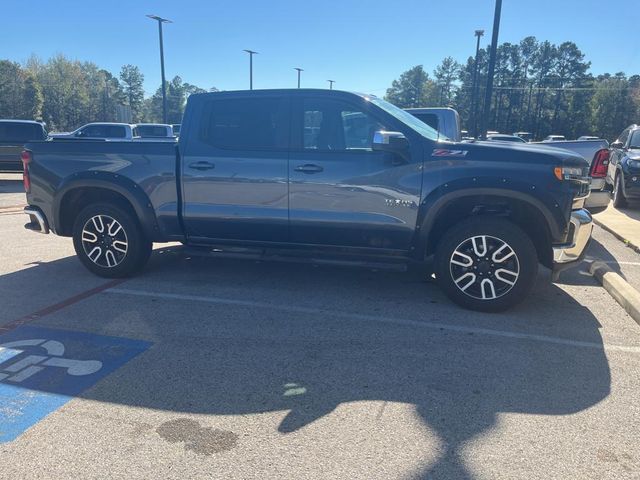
(243, 123)
(116, 131)
(104, 131)
(428, 118)
(150, 131)
(20, 132)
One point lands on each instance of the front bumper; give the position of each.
(567, 254)
(598, 199)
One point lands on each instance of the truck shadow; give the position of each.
(244, 359)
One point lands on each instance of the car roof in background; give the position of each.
(9, 120)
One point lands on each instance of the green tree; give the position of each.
(414, 88)
(20, 93)
(132, 81)
(446, 75)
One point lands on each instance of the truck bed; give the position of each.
(151, 166)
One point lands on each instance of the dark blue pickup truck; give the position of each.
(318, 175)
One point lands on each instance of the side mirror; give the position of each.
(394, 142)
(617, 144)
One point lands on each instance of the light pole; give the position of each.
(251, 54)
(492, 67)
(331, 82)
(299, 70)
(474, 86)
(160, 21)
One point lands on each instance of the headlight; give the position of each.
(568, 173)
(634, 164)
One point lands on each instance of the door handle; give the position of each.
(309, 168)
(202, 165)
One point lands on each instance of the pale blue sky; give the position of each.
(361, 45)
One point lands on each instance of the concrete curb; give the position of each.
(623, 293)
(629, 244)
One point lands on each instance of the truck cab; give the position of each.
(14, 134)
(442, 119)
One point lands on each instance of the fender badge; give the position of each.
(444, 152)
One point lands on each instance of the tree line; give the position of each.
(539, 87)
(68, 93)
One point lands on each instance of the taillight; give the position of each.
(26, 160)
(600, 164)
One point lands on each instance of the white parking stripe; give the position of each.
(379, 319)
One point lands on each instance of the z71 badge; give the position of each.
(444, 152)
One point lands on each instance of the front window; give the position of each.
(408, 119)
(331, 125)
(635, 139)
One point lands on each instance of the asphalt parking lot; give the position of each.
(218, 368)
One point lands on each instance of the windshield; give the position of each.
(408, 119)
(635, 140)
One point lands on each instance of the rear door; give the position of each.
(342, 193)
(234, 168)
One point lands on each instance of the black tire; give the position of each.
(124, 260)
(487, 272)
(619, 201)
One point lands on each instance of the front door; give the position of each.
(235, 169)
(341, 192)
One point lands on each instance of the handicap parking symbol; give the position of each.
(41, 369)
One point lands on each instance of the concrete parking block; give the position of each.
(627, 296)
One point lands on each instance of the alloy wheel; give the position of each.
(484, 267)
(104, 241)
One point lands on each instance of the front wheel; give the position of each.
(487, 264)
(618, 195)
(109, 241)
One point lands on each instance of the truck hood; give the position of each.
(517, 153)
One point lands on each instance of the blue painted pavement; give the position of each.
(41, 369)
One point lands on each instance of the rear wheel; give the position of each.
(486, 263)
(618, 195)
(109, 241)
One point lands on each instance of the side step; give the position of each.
(314, 257)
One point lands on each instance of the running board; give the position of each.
(298, 256)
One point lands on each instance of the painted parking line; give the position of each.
(41, 369)
(379, 319)
(7, 327)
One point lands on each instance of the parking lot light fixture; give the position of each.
(492, 66)
(251, 54)
(475, 94)
(160, 21)
(299, 70)
(331, 82)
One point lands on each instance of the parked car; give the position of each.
(13, 135)
(526, 136)
(444, 120)
(555, 138)
(623, 173)
(501, 137)
(99, 131)
(247, 173)
(588, 137)
(153, 131)
(590, 150)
